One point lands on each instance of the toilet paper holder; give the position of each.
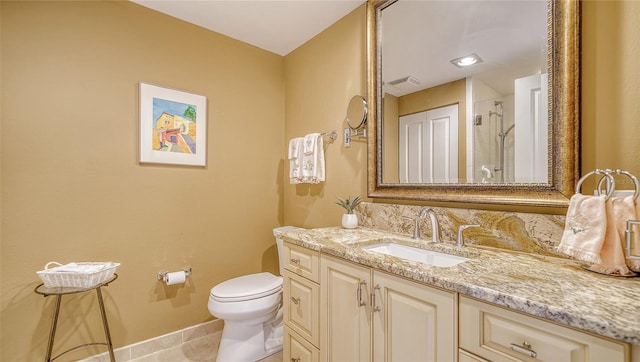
(163, 273)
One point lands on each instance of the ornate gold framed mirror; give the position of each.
(532, 156)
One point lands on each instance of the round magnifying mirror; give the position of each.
(357, 112)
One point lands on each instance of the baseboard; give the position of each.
(153, 345)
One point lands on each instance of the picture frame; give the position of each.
(173, 126)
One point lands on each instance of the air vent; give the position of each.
(405, 83)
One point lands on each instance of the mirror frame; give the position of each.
(563, 28)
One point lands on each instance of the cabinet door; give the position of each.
(301, 307)
(411, 321)
(345, 325)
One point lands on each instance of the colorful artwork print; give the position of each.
(174, 126)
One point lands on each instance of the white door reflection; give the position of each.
(428, 146)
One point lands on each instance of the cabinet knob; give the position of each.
(297, 359)
(295, 300)
(295, 261)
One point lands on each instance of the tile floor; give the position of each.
(201, 349)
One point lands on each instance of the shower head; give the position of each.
(497, 103)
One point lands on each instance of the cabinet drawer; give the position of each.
(499, 334)
(301, 310)
(302, 261)
(464, 356)
(297, 349)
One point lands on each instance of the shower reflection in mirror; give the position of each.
(510, 134)
(503, 140)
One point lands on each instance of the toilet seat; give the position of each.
(247, 287)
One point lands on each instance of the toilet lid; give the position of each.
(247, 287)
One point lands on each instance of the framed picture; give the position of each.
(173, 126)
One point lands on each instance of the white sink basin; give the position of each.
(416, 254)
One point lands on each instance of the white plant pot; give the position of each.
(349, 221)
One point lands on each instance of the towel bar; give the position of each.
(611, 183)
(621, 172)
(333, 135)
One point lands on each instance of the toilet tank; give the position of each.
(279, 243)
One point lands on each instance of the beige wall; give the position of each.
(610, 91)
(439, 96)
(73, 191)
(320, 78)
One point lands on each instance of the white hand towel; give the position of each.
(310, 143)
(295, 160)
(585, 227)
(313, 161)
(319, 171)
(294, 147)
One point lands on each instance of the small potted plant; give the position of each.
(349, 219)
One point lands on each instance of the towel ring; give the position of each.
(633, 178)
(597, 171)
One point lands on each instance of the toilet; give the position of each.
(251, 307)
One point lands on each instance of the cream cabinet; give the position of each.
(336, 310)
(412, 321)
(498, 334)
(301, 297)
(368, 315)
(345, 315)
(301, 311)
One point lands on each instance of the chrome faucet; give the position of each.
(435, 226)
(460, 240)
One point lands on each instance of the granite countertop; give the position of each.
(552, 288)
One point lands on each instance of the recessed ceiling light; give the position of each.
(467, 60)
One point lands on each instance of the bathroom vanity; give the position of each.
(344, 302)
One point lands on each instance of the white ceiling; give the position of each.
(510, 36)
(422, 37)
(276, 26)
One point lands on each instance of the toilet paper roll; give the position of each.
(175, 278)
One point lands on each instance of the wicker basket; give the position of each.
(80, 275)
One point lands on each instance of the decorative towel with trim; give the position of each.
(313, 159)
(310, 142)
(295, 160)
(612, 253)
(306, 157)
(585, 227)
